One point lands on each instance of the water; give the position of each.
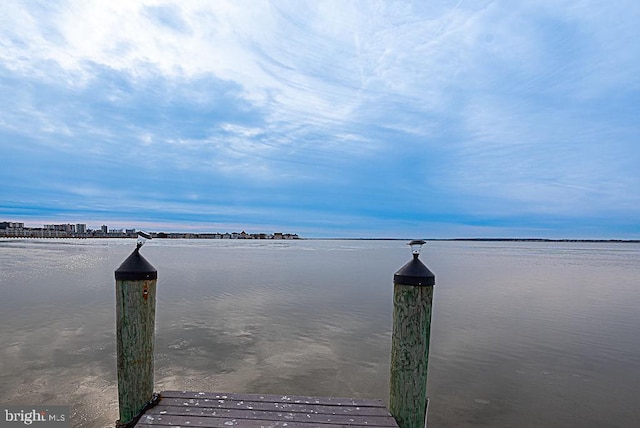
(523, 334)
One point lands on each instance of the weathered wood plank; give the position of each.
(271, 406)
(312, 416)
(271, 398)
(199, 421)
(206, 409)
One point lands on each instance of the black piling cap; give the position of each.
(135, 268)
(414, 273)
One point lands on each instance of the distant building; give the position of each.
(104, 229)
(60, 227)
(11, 225)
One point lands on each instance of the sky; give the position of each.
(423, 119)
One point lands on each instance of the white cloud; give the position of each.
(325, 66)
(324, 58)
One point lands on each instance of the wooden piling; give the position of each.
(135, 330)
(412, 300)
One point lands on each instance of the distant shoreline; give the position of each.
(636, 241)
(625, 241)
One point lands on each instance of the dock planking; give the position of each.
(206, 409)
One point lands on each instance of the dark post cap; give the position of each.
(414, 273)
(135, 268)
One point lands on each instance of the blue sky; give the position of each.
(325, 118)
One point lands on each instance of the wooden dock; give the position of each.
(207, 409)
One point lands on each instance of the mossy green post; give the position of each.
(412, 300)
(135, 330)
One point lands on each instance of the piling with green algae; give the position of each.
(412, 301)
(135, 330)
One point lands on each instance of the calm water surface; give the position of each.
(523, 334)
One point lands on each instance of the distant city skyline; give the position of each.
(382, 119)
(66, 226)
(11, 229)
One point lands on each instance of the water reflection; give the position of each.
(523, 334)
